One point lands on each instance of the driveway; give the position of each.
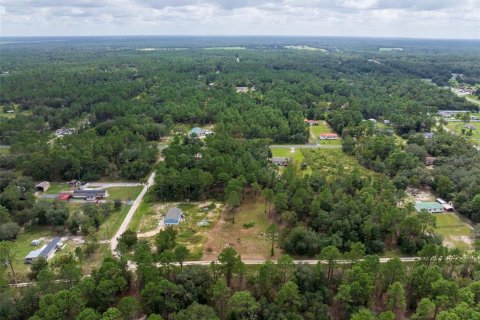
(131, 212)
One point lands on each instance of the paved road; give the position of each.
(306, 146)
(131, 212)
(132, 266)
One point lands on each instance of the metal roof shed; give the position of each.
(173, 217)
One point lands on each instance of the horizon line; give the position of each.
(233, 36)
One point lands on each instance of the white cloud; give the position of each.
(398, 18)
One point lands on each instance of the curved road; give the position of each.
(131, 212)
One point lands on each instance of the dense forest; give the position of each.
(123, 100)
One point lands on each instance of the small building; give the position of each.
(432, 207)
(311, 122)
(89, 194)
(173, 217)
(328, 136)
(386, 121)
(372, 120)
(36, 242)
(244, 89)
(429, 161)
(199, 132)
(281, 161)
(198, 156)
(42, 186)
(470, 126)
(64, 196)
(441, 201)
(10, 111)
(46, 251)
(428, 135)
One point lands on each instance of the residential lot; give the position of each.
(455, 232)
(199, 219)
(246, 235)
(322, 127)
(460, 129)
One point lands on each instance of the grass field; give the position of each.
(143, 209)
(251, 242)
(4, 150)
(56, 187)
(454, 231)
(329, 160)
(297, 157)
(124, 193)
(322, 127)
(456, 127)
(110, 226)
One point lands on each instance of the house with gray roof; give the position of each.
(47, 251)
(89, 194)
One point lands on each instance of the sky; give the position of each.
(457, 19)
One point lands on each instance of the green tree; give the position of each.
(166, 239)
(8, 255)
(243, 306)
(220, 294)
(230, 263)
(286, 267)
(271, 233)
(330, 254)
(268, 195)
(112, 314)
(396, 299)
(181, 254)
(288, 296)
(425, 310)
(196, 311)
(129, 307)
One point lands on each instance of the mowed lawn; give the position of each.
(322, 127)
(296, 154)
(124, 193)
(454, 231)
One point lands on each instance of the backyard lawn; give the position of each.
(456, 127)
(455, 232)
(296, 154)
(322, 127)
(124, 193)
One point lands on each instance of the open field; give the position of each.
(457, 127)
(124, 193)
(455, 232)
(57, 187)
(4, 150)
(328, 160)
(250, 243)
(6, 115)
(142, 210)
(110, 226)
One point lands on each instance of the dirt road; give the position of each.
(131, 212)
